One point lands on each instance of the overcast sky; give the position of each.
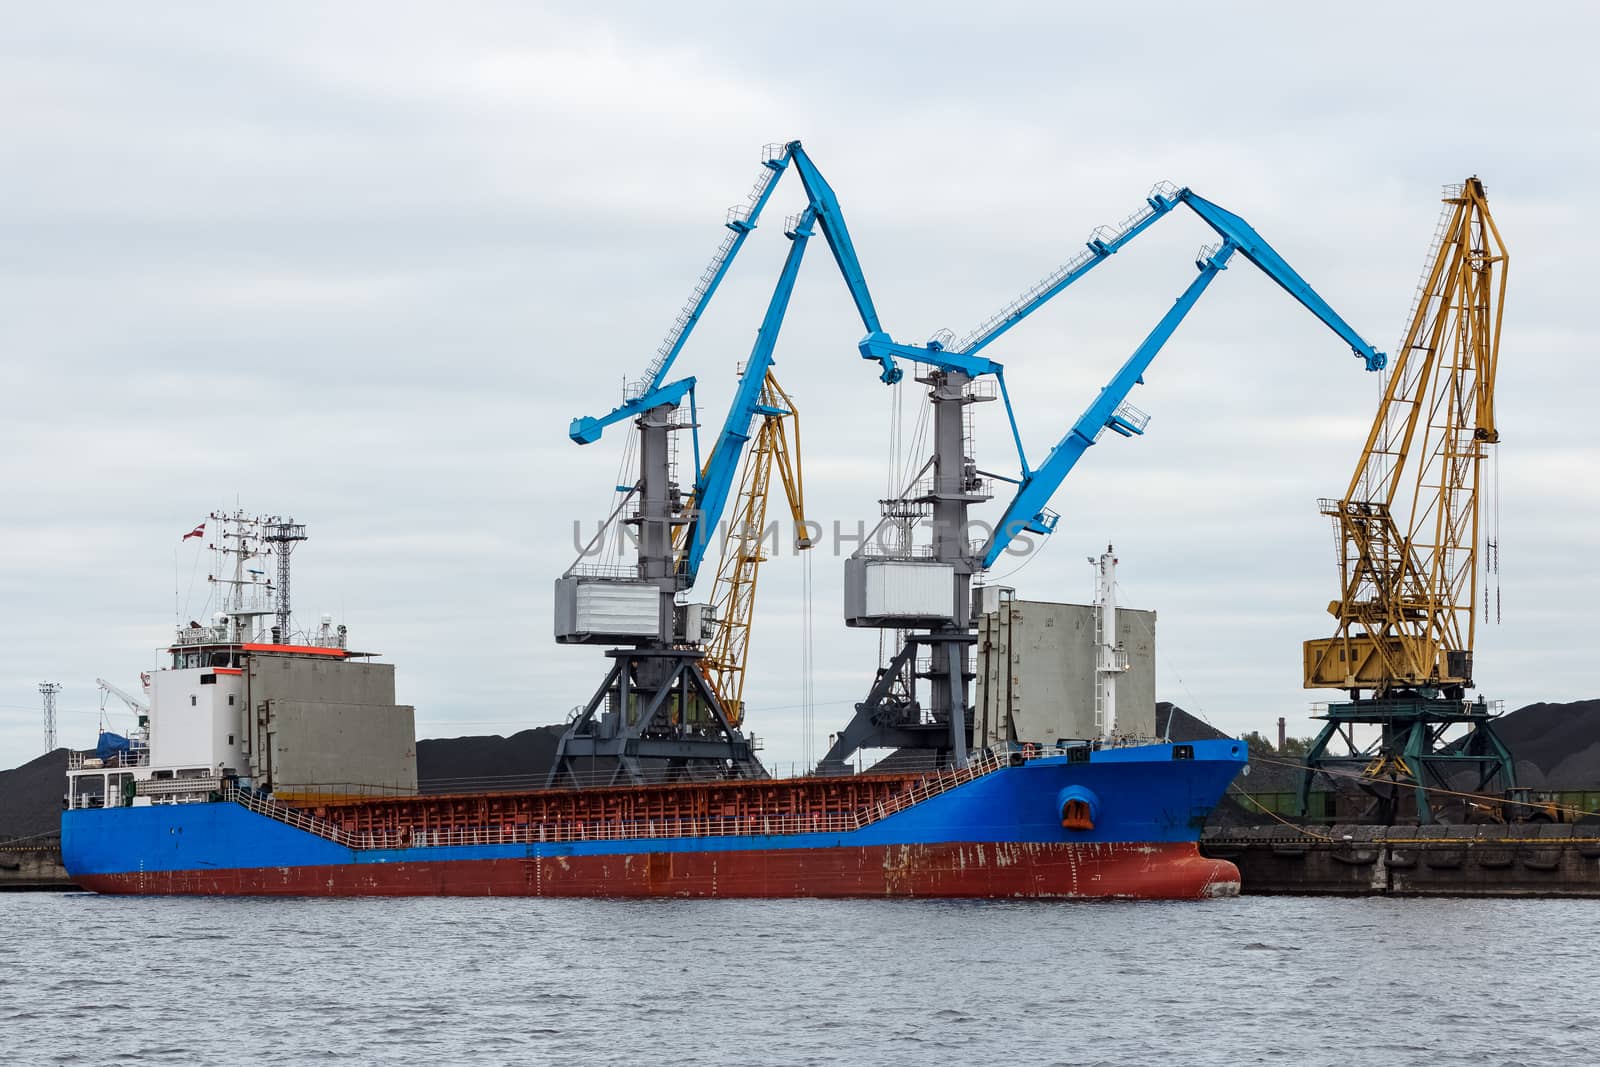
(362, 263)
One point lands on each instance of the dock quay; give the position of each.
(32, 866)
(1519, 860)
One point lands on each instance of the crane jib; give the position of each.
(1026, 513)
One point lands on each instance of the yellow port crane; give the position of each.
(1409, 530)
(774, 448)
(1406, 614)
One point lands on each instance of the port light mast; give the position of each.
(47, 693)
(1409, 530)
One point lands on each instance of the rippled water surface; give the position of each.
(101, 980)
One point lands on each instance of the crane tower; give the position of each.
(1409, 530)
(672, 704)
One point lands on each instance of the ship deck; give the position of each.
(733, 806)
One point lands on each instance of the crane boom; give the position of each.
(1406, 613)
(1254, 247)
(825, 205)
(1103, 242)
(743, 552)
(962, 356)
(135, 705)
(1027, 511)
(1109, 410)
(715, 479)
(741, 220)
(649, 391)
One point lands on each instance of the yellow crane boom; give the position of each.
(733, 594)
(1405, 617)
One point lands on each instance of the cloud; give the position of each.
(363, 263)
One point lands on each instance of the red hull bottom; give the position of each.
(1174, 871)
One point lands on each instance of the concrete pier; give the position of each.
(1529, 860)
(32, 867)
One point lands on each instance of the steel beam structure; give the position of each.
(1418, 745)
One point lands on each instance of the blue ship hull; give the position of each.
(1123, 824)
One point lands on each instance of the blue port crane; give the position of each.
(716, 475)
(1035, 486)
(940, 628)
(671, 561)
(682, 679)
(1027, 511)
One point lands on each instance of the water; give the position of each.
(102, 980)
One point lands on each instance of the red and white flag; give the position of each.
(198, 531)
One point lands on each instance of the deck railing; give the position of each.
(88, 761)
(984, 762)
(293, 817)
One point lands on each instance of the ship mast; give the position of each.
(1111, 659)
(243, 593)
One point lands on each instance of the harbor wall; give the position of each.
(24, 867)
(1520, 860)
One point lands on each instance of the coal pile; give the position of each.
(1556, 746)
(1178, 725)
(475, 764)
(30, 796)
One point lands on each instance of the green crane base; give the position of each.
(1422, 742)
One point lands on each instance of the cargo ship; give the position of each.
(993, 829)
(278, 763)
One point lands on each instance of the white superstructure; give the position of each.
(239, 699)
